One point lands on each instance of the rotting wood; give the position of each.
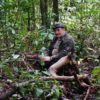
(62, 62)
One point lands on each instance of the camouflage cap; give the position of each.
(58, 25)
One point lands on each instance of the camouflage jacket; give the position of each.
(66, 45)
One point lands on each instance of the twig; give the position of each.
(87, 94)
(77, 80)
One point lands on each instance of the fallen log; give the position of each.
(83, 82)
(58, 78)
(62, 62)
(65, 78)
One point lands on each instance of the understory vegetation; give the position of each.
(26, 27)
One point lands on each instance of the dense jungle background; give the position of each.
(26, 28)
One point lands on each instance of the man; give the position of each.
(61, 45)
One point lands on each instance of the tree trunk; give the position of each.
(42, 9)
(55, 10)
(28, 23)
(46, 13)
(33, 17)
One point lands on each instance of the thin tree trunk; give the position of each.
(42, 9)
(56, 10)
(46, 13)
(33, 17)
(28, 26)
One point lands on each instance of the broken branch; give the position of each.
(87, 94)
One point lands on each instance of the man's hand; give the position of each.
(46, 58)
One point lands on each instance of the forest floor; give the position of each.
(86, 66)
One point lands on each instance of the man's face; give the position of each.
(59, 32)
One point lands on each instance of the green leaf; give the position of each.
(46, 73)
(42, 63)
(96, 71)
(39, 92)
(57, 92)
(8, 71)
(13, 31)
(50, 36)
(24, 75)
(15, 56)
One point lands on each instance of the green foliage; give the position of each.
(40, 88)
(6, 68)
(56, 91)
(96, 73)
(80, 18)
(38, 92)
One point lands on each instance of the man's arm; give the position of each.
(47, 56)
